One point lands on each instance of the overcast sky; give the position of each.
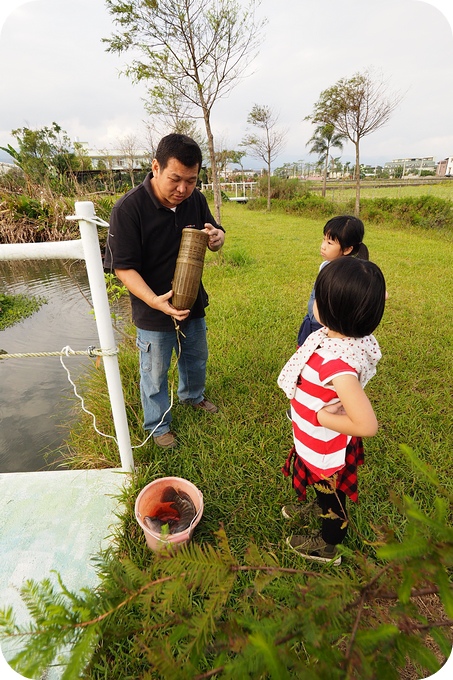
(53, 67)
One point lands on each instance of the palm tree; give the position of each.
(323, 140)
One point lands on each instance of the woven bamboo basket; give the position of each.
(189, 267)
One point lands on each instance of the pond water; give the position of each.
(37, 402)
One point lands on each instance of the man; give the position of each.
(142, 246)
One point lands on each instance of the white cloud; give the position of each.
(54, 67)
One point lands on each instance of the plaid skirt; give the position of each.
(345, 479)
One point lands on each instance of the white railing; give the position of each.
(239, 189)
(87, 248)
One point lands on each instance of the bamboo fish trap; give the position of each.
(189, 267)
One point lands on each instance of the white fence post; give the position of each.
(93, 260)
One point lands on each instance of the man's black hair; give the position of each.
(183, 148)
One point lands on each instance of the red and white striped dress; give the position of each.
(322, 450)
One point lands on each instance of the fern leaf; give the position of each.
(403, 551)
(254, 558)
(32, 663)
(8, 624)
(405, 589)
(419, 654)
(426, 470)
(442, 640)
(445, 591)
(373, 639)
(268, 651)
(81, 654)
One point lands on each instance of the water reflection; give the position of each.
(35, 395)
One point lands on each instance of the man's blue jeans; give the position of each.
(156, 349)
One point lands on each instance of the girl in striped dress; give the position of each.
(330, 411)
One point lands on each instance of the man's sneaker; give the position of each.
(301, 511)
(206, 405)
(314, 548)
(165, 441)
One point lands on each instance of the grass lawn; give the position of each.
(259, 287)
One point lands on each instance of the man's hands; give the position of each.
(216, 237)
(161, 302)
(137, 286)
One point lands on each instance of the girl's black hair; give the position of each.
(350, 296)
(181, 147)
(348, 231)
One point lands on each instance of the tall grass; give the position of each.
(259, 287)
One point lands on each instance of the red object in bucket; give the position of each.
(151, 496)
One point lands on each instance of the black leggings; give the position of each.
(331, 530)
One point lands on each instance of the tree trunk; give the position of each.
(215, 177)
(268, 188)
(268, 181)
(324, 179)
(357, 179)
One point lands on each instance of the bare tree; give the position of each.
(266, 146)
(199, 49)
(128, 146)
(106, 162)
(175, 115)
(356, 107)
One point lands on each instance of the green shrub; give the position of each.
(428, 212)
(309, 204)
(14, 308)
(285, 189)
(103, 206)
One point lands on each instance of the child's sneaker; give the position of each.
(301, 511)
(314, 548)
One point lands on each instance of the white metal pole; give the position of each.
(96, 280)
(57, 250)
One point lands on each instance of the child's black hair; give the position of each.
(350, 296)
(348, 231)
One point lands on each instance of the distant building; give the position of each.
(445, 167)
(6, 167)
(246, 173)
(370, 170)
(411, 166)
(116, 159)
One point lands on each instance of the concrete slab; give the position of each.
(53, 520)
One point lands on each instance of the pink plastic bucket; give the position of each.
(151, 494)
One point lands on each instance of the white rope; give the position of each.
(89, 352)
(178, 332)
(67, 351)
(93, 352)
